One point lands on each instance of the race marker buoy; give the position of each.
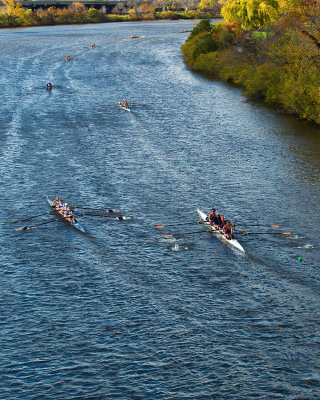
(300, 259)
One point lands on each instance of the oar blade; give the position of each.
(22, 229)
(26, 228)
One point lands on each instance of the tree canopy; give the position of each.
(250, 14)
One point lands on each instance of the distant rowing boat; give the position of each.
(231, 242)
(124, 105)
(75, 225)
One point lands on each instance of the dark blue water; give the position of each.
(122, 312)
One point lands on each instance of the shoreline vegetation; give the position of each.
(273, 56)
(13, 15)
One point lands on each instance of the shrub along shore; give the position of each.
(14, 15)
(279, 63)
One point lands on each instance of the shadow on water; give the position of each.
(289, 274)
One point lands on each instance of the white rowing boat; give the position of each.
(75, 225)
(124, 106)
(231, 242)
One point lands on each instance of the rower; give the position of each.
(216, 221)
(65, 209)
(227, 230)
(56, 201)
(68, 58)
(222, 223)
(70, 214)
(59, 205)
(211, 215)
(49, 86)
(124, 103)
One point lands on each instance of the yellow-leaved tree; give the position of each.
(251, 14)
(207, 4)
(13, 8)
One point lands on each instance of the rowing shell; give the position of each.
(75, 225)
(231, 242)
(123, 107)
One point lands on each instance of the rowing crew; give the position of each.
(64, 209)
(124, 103)
(220, 224)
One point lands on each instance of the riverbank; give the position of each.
(78, 14)
(279, 66)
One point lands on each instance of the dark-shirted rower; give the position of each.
(216, 221)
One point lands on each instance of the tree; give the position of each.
(132, 13)
(13, 8)
(251, 14)
(77, 8)
(132, 4)
(207, 5)
(203, 26)
(119, 9)
(146, 8)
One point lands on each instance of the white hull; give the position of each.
(233, 242)
(124, 108)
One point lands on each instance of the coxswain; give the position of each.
(68, 58)
(49, 86)
(227, 230)
(93, 45)
(211, 215)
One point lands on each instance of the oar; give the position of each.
(119, 218)
(183, 234)
(26, 228)
(264, 233)
(98, 209)
(268, 226)
(184, 223)
(27, 219)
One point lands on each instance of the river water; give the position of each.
(123, 312)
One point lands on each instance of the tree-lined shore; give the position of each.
(14, 15)
(269, 48)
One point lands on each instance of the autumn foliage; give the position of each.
(14, 15)
(278, 61)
